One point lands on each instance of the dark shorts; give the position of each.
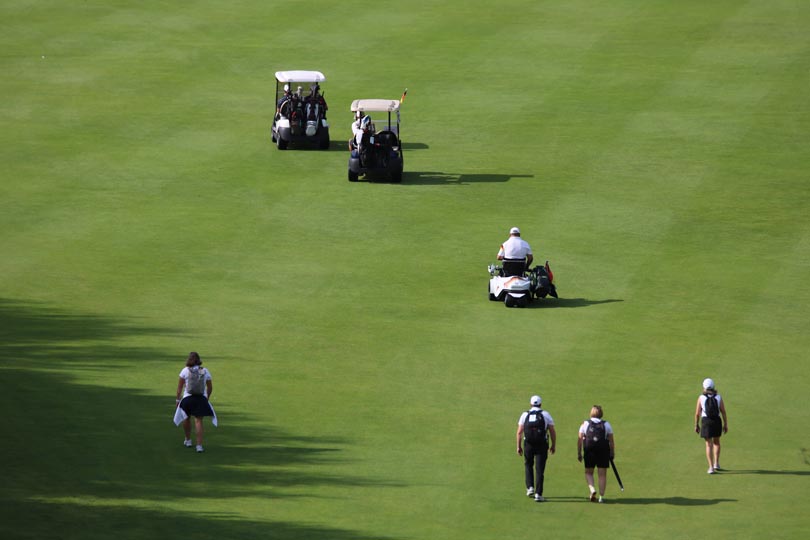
(196, 406)
(597, 457)
(710, 427)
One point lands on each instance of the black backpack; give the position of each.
(534, 429)
(595, 436)
(710, 406)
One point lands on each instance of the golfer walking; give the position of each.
(196, 387)
(708, 423)
(535, 430)
(596, 439)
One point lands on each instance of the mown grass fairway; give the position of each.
(654, 152)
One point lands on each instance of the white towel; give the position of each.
(179, 416)
(214, 418)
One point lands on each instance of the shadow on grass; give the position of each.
(104, 459)
(764, 472)
(32, 332)
(414, 146)
(450, 179)
(104, 521)
(336, 145)
(553, 303)
(805, 452)
(674, 501)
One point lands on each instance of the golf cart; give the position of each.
(300, 110)
(516, 286)
(376, 150)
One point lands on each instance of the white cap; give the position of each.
(514, 230)
(286, 87)
(536, 400)
(708, 383)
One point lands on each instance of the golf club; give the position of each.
(618, 478)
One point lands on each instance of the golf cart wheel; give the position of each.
(352, 176)
(282, 144)
(324, 144)
(396, 177)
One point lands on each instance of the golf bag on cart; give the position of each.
(373, 155)
(543, 281)
(293, 110)
(314, 113)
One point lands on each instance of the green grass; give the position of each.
(655, 152)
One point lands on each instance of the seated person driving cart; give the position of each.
(283, 99)
(362, 129)
(516, 254)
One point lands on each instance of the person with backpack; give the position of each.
(596, 439)
(196, 387)
(535, 430)
(709, 424)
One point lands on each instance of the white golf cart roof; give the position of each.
(375, 105)
(300, 76)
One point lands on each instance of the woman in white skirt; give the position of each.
(195, 387)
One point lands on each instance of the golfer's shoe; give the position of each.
(200, 448)
(711, 470)
(538, 498)
(530, 492)
(187, 443)
(601, 500)
(717, 468)
(593, 496)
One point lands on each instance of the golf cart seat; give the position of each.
(387, 138)
(284, 108)
(514, 267)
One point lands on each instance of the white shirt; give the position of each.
(357, 132)
(184, 375)
(546, 417)
(584, 427)
(515, 248)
